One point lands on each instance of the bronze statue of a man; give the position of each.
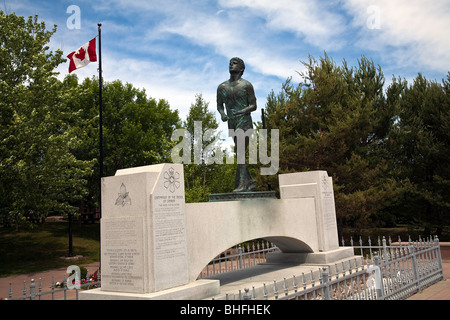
(238, 96)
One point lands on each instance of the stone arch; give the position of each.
(213, 227)
(285, 244)
(290, 245)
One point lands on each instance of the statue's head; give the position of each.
(237, 64)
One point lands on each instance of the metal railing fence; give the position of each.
(58, 291)
(389, 271)
(239, 257)
(380, 271)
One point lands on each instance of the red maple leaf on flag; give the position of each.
(80, 54)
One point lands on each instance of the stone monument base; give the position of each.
(154, 245)
(326, 257)
(197, 290)
(233, 196)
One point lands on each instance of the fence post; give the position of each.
(385, 253)
(295, 285)
(377, 263)
(326, 292)
(414, 266)
(65, 287)
(265, 292)
(247, 295)
(275, 289)
(254, 254)
(240, 256)
(438, 255)
(53, 288)
(285, 287)
(32, 290)
(40, 288)
(259, 252)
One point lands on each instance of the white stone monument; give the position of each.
(153, 245)
(318, 185)
(143, 232)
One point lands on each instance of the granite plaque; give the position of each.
(143, 230)
(328, 206)
(122, 254)
(170, 249)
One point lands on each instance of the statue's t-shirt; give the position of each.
(236, 96)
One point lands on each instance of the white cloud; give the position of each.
(313, 21)
(412, 33)
(176, 49)
(230, 35)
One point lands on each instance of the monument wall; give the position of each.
(143, 230)
(317, 185)
(214, 227)
(154, 245)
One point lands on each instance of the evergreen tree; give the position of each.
(421, 149)
(202, 178)
(337, 120)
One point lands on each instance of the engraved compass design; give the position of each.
(171, 178)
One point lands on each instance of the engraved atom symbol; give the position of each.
(171, 180)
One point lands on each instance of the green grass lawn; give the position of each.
(41, 248)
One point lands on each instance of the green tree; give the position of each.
(39, 174)
(337, 119)
(201, 178)
(420, 146)
(137, 129)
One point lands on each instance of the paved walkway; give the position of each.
(18, 281)
(438, 291)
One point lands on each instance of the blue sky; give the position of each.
(177, 49)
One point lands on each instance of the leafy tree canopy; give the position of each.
(382, 148)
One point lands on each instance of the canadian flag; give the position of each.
(83, 55)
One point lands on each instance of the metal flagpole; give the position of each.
(100, 85)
